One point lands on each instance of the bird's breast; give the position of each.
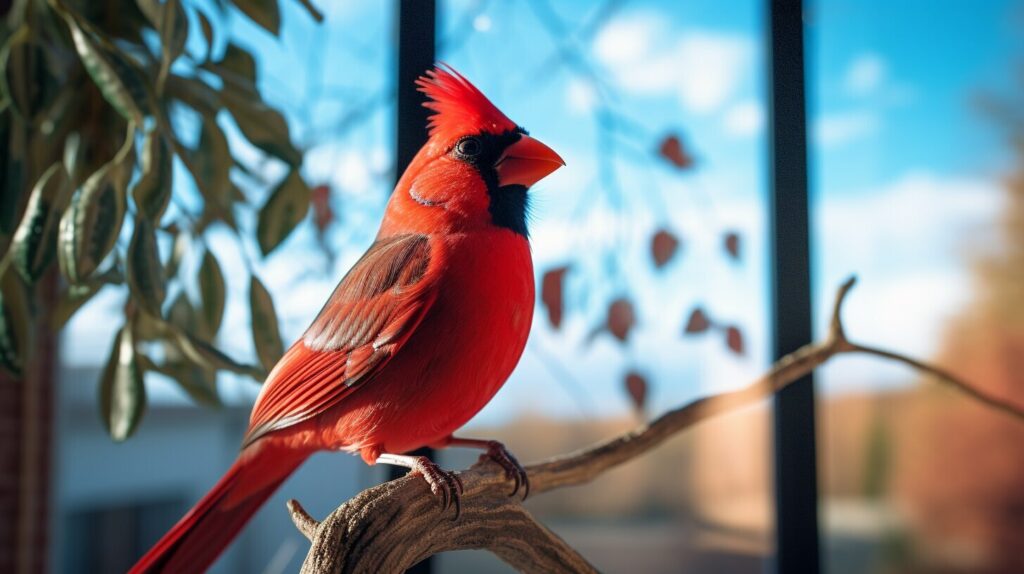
(459, 356)
(478, 327)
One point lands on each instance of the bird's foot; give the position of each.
(445, 485)
(497, 452)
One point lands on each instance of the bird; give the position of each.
(416, 338)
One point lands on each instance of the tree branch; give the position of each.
(391, 527)
(397, 524)
(944, 376)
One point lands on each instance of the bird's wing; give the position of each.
(370, 315)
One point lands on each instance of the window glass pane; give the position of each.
(658, 109)
(918, 191)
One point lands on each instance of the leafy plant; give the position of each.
(99, 100)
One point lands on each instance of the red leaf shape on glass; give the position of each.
(551, 287)
(671, 149)
(663, 247)
(698, 322)
(621, 318)
(323, 215)
(734, 340)
(636, 386)
(732, 244)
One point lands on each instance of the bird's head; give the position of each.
(474, 170)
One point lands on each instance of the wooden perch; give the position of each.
(390, 527)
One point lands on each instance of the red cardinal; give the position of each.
(414, 341)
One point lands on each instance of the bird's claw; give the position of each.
(497, 452)
(446, 485)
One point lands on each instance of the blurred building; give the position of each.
(112, 501)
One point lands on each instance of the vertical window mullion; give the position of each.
(416, 31)
(796, 490)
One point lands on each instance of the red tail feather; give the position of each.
(195, 542)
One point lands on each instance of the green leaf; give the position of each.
(199, 383)
(77, 295)
(262, 125)
(147, 328)
(152, 192)
(74, 155)
(35, 240)
(213, 161)
(193, 93)
(199, 380)
(265, 332)
(217, 207)
(120, 83)
(285, 208)
(181, 314)
(14, 55)
(15, 323)
(174, 28)
(180, 247)
(32, 76)
(122, 392)
(173, 34)
(91, 224)
(239, 62)
(212, 292)
(264, 12)
(145, 274)
(151, 9)
(12, 184)
(203, 353)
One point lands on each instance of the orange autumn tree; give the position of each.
(976, 510)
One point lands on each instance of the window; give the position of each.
(111, 538)
(654, 275)
(916, 189)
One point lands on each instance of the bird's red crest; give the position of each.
(459, 107)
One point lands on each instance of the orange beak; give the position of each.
(526, 162)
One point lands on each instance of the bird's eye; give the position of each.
(469, 147)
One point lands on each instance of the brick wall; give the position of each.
(26, 426)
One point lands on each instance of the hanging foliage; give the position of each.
(88, 141)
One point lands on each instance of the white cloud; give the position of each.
(745, 119)
(346, 168)
(580, 96)
(906, 241)
(380, 160)
(865, 75)
(918, 216)
(626, 40)
(833, 130)
(710, 68)
(702, 68)
(482, 23)
(341, 12)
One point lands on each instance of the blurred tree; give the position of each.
(974, 514)
(99, 101)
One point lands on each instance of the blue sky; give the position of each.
(903, 172)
